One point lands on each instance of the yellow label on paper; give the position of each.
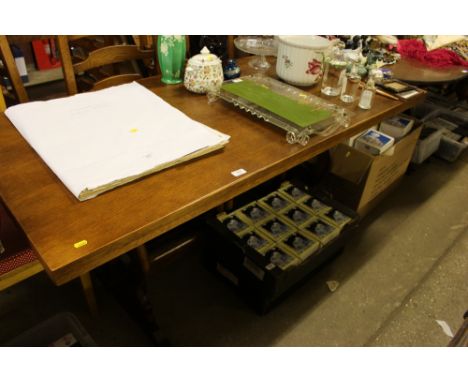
(133, 130)
(80, 244)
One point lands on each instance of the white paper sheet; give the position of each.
(445, 327)
(99, 140)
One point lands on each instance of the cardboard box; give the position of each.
(358, 178)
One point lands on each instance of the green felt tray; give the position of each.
(301, 114)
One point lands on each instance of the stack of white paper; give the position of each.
(99, 140)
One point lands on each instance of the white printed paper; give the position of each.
(99, 140)
(445, 328)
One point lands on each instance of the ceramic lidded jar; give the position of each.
(204, 72)
(300, 59)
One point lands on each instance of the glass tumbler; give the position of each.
(334, 73)
(350, 87)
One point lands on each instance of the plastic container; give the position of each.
(428, 144)
(63, 329)
(447, 121)
(422, 110)
(450, 149)
(460, 108)
(450, 115)
(442, 100)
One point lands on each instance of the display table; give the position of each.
(414, 71)
(122, 219)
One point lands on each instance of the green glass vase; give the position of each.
(171, 57)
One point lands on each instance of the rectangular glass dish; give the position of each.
(298, 112)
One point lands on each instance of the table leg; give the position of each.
(88, 290)
(144, 259)
(127, 281)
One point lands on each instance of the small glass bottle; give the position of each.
(367, 95)
(350, 87)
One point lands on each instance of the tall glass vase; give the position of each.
(171, 57)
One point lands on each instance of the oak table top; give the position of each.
(126, 217)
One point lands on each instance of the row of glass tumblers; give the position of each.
(337, 81)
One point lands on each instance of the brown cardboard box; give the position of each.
(358, 179)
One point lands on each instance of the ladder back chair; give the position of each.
(18, 261)
(97, 62)
(11, 71)
(97, 58)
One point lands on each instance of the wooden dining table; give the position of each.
(120, 220)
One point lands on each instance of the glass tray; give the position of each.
(296, 131)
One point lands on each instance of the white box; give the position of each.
(374, 142)
(397, 127)
(350, 141)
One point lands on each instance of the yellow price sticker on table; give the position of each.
(80, 244)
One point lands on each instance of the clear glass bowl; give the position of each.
(261, 46)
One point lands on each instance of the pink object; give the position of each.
(438, 58)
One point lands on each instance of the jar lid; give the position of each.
(306, 42)
(205, 58)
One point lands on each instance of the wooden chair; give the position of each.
(91, 59)
(2, 101)
(11, 71)
(18, 261)
(231, 49)
(97, 62)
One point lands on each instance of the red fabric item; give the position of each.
(438, 58)
(17, 250)
(9, 262)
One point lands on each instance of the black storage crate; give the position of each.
(248, 269)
